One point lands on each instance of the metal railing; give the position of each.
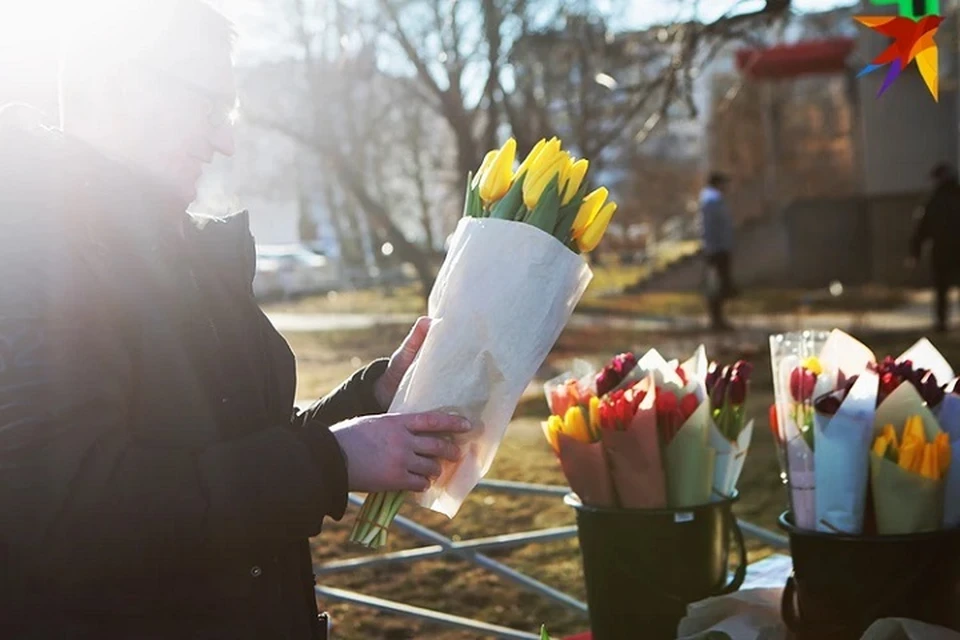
(472, 551)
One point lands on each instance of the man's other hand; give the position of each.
(400, 361)
(396, 452)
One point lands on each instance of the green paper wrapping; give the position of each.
(690, 462)
(904, 502)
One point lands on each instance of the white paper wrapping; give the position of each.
(842, 458)
(730, 459)
(926, 356)
(501, 299)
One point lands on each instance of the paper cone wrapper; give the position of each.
(690, 461)
(503, 295)
(635, 461)
(900, 405)
(904, 502)
(581, 371)
(664, 374)
(586, 469)
(948, 415)
(951, 501)
(802, 481)
(842, 459)
(843, 352)
(926, 356)
(730, 457)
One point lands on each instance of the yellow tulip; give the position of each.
(537, 148)
(588, 211)
(891, 434)
(910, 456)
(572, 179)
(487, 161)
(942, 442)
(499, 175)
(540, 157)
(913, 431)
(540, 175)
(597, 227)
(813, 365)
(551, 429)
(575, 426)
(595, 415)
(929, 465)
(881, 443)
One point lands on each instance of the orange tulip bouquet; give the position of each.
(651, 434)
(511, 279)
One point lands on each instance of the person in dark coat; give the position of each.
(156, 481)
(940, 227)
(716, 226)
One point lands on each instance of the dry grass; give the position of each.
(408, 299)
(459, 588)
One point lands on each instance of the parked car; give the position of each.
(293, 270)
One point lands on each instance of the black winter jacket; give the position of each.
(155, 479)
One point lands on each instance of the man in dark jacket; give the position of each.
(940, 225)
(156, 481)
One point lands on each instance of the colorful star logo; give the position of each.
(913, 40)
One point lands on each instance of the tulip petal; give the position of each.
(487, 161)
(597, 227)
(588, 211)
(497, 179)
(574, 179)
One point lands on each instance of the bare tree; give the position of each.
(473, 64)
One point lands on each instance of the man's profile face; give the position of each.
(179, 114)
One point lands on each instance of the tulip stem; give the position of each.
(376, 515)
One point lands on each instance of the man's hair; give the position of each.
(146, 32)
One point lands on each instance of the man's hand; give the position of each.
(396, 452)
(386, 387)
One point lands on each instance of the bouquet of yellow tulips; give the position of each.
(547, 191)
(512, 276)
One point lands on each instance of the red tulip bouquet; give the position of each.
(648, 433)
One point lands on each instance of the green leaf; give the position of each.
(506, 207)
(543, 632)
(544, 215)
(565, 218)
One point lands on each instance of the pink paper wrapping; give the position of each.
(585, 466)
(635, 463)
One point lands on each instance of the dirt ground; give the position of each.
(459, 588)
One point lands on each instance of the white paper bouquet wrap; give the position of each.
(842, 450)
(503, 295)
(500, 301)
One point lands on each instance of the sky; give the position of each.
(30, 31)
(645, 12)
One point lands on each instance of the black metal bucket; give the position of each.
(842, 584)
(642, 567)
